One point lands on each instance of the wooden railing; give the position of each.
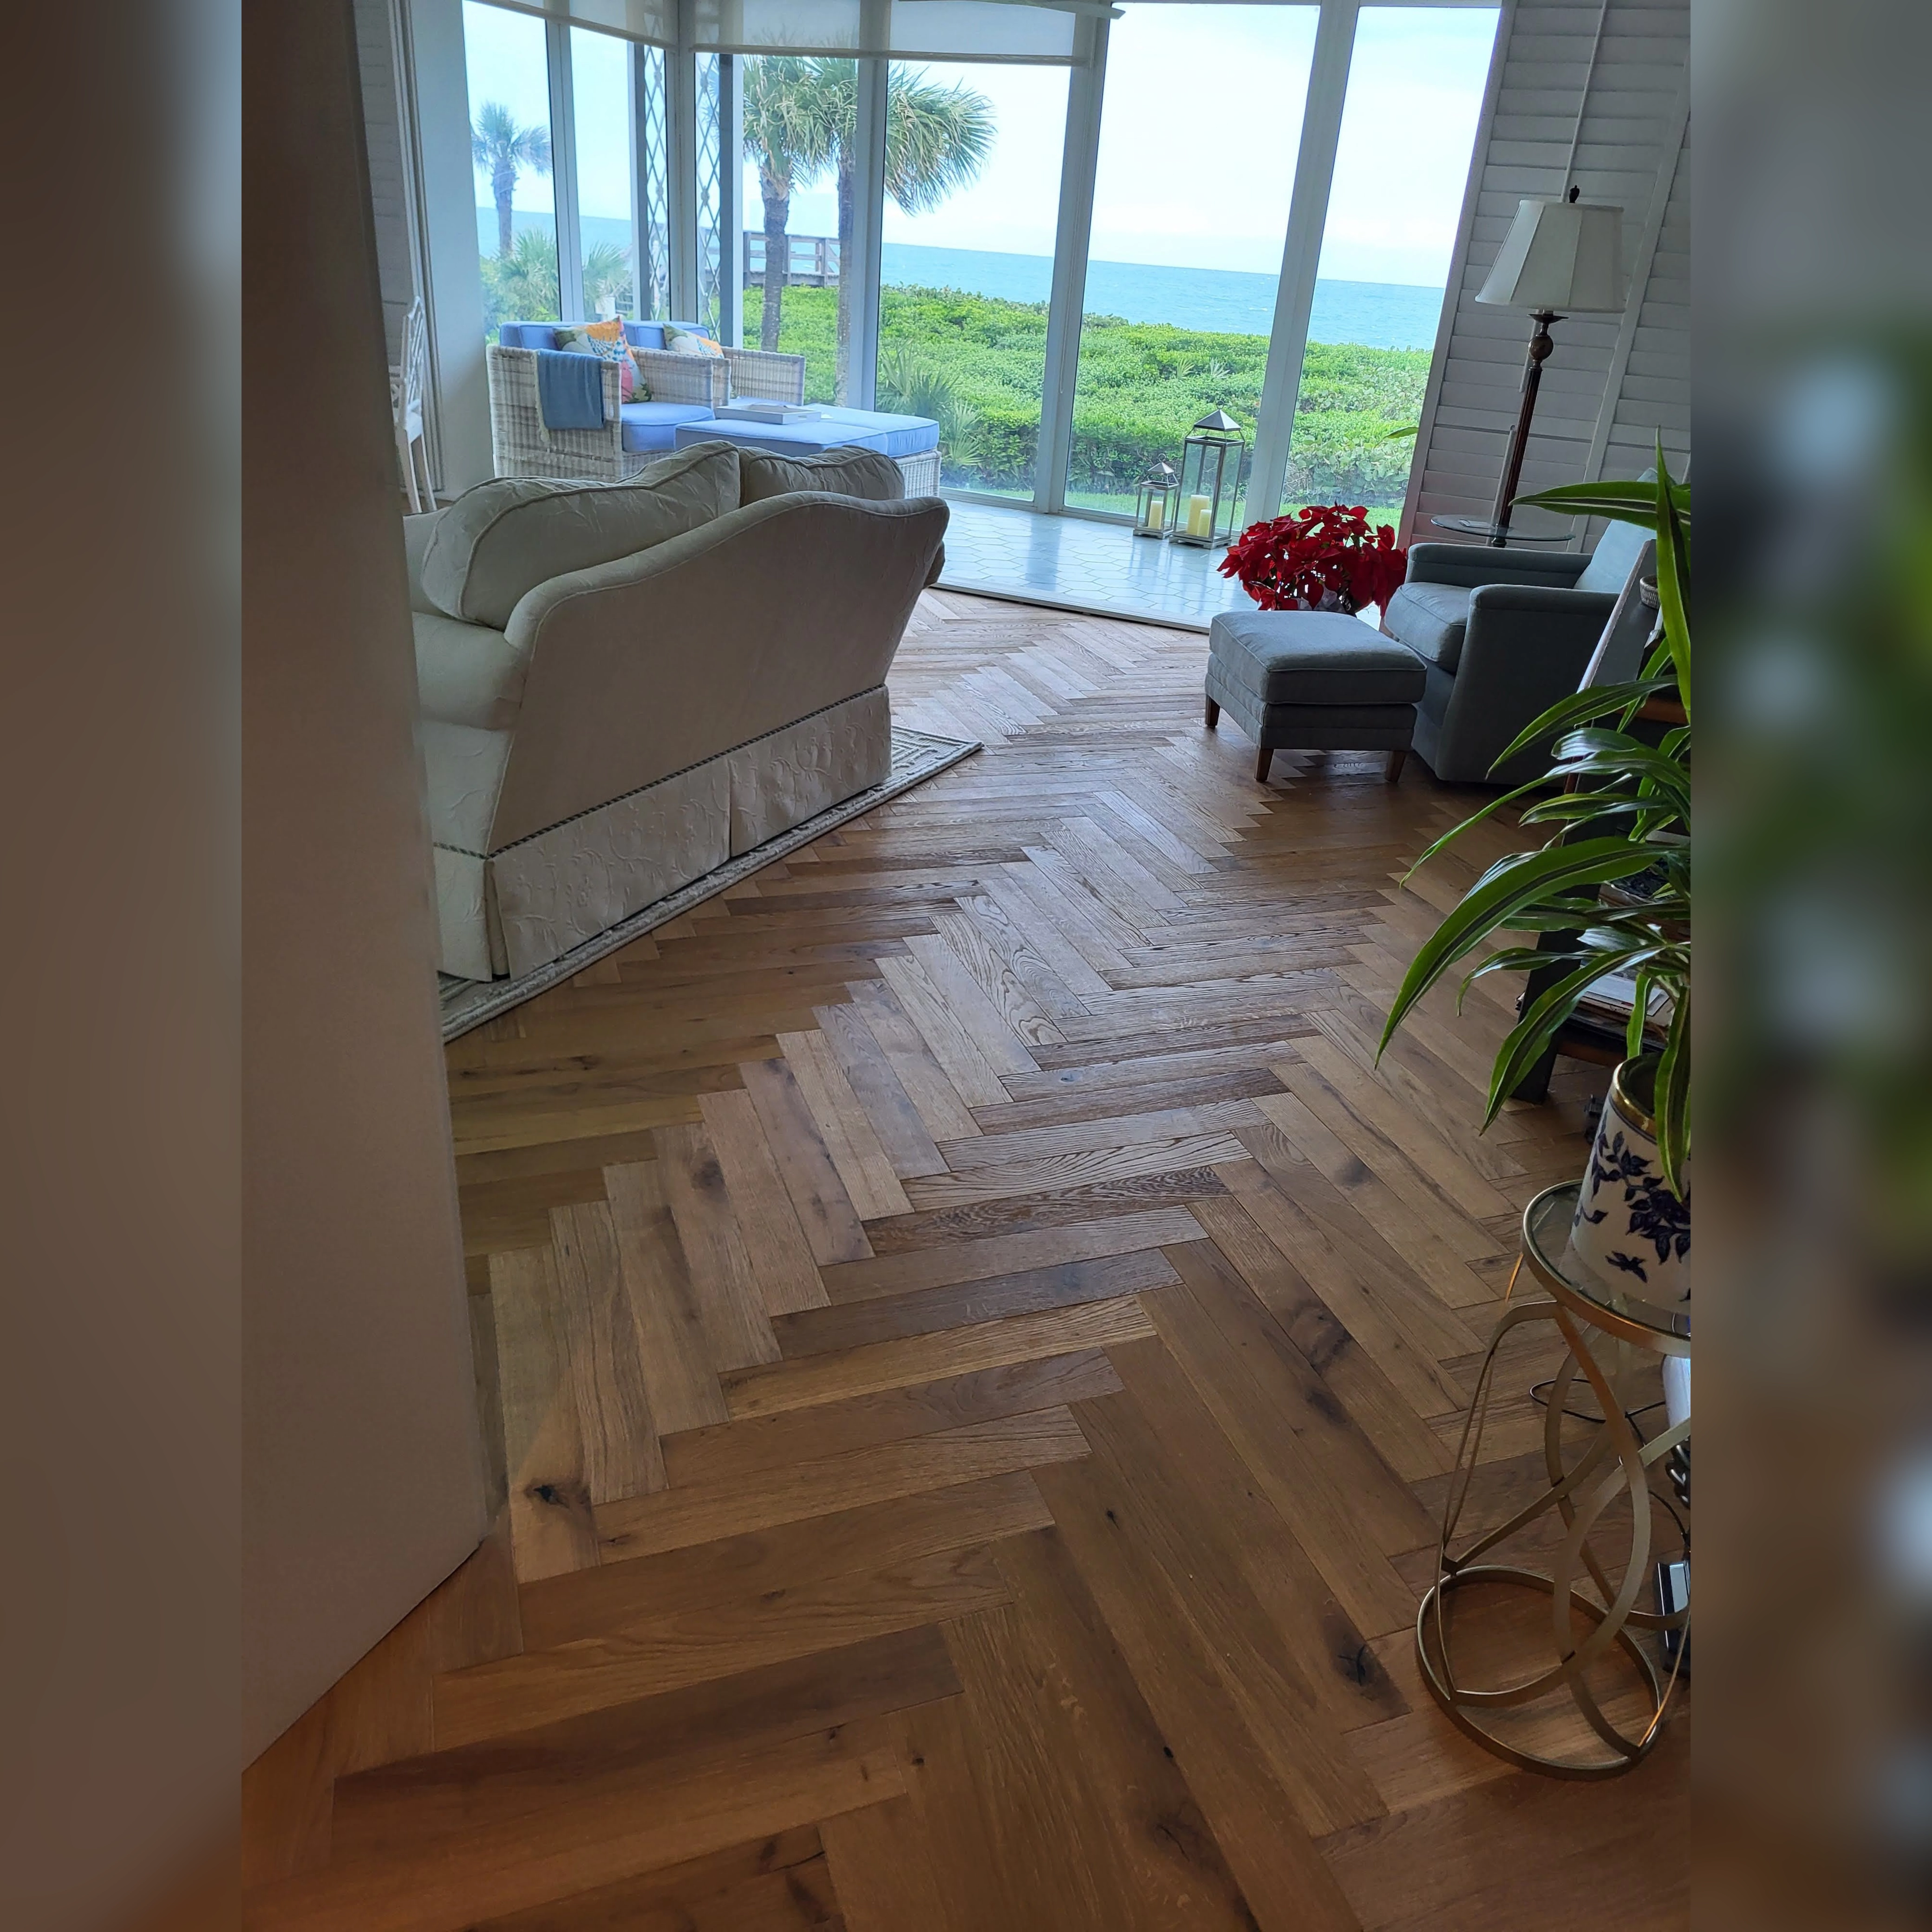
(814, 262)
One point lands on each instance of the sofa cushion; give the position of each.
(468, 674)
(897, 435)
(1432, 619)
(811, 437)
(1312, 657)
(649, 425)
(1617, 549)
(504, 538)
(843, 473)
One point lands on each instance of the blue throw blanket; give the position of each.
(570, 390)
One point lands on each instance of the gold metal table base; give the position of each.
(1617, 1462)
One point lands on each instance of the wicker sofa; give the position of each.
(622, 686)
(684, 388)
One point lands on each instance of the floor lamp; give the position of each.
(1560, 258)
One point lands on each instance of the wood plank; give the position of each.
(924, 1358)
(551, 1530)
(1055, 1207)
(900, 1129)
(1165, 1124)
(1283, 1877)
(664, 1653)
(604, 1351)
(491, 1783)
(455, 1883)
(772, 1558)
(804, 1163)
(775, 1241)
(673, 1351)
(763, 1444)
(974, 1079)
(931, 1310)
(943, 1112)
(982, 1260)
(856, 1151)
(704, 1513)
(977, 1016)
(995, 1182)
(730, 1305)
(882, 1871)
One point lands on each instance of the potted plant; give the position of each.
(1609, 892)
(1326, 557)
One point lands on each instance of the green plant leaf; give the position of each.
(1629, 502)
(1673, 577)
(1516, 884)
(1530, 1037)
(1581, 707)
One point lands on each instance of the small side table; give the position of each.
(1590, 1316)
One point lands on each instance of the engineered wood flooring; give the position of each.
(973, 1343)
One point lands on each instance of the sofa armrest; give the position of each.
(417, 532)
(1471, 564)
(520, 443)
(684, 378)
(767, 375)
(1526, 646)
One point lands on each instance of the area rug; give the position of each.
(916, 757)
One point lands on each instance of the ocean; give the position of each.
(1379, 315)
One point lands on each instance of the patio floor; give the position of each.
(1073, 563)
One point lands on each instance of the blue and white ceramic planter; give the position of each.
(1630, 1229)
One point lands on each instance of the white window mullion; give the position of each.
(1301, 256)
(563, 175)
(868, 211)
(1078, 169)
(681, 142)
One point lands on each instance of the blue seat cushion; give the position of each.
(654, 425)
(543, 335)
(1432, 619)
(798, 439)
(1301, 658)
(904, 436)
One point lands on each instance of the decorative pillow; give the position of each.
(843, 472)
(597, 340)
(504, 538)
(642, 389)
(688, 342)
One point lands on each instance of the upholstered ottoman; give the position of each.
(1312, 681)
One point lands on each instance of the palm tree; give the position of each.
(789, 138)
(503, 150)
(937, 139)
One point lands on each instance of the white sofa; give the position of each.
(623, 684)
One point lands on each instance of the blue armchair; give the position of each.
(1502, 633)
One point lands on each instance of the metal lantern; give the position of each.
(1212, 460)
(1154, 501)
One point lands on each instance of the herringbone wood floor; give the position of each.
(974, 1348)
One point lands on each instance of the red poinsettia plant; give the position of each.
(1326, 557)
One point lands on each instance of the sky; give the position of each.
(1202, 120)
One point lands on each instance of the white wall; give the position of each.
(1613, 383)
(363, 1477)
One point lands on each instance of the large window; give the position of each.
(510, 146)
(1199, 137)
(1415, 90)
(798, 114)
(600, 69)
(973, 155)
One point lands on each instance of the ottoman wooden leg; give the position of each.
(1263, 759)
(1213, 714)
(1396, 760)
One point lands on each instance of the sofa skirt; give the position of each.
(506, 913)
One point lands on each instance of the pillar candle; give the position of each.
(1199, 509)
(1156, 513)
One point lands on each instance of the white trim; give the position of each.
(1079, 166)
(869, 216)
(1301, 253)
(563, 172)
(681, 179)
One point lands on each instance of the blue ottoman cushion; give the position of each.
(1313, 657)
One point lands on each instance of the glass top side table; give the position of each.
(1495, 534)
(1609, 1335)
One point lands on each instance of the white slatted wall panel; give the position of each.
(389, 188)
(1608, 386)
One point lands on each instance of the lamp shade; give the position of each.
(1564, 256)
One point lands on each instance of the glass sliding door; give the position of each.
(1200, 127)
(508, 74)
(651, 169)
(1415, 93)
(600, 72)
(973, 157)
(796, 189)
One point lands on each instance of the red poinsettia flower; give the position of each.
(1326, 557)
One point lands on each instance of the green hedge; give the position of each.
(1143, 385)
